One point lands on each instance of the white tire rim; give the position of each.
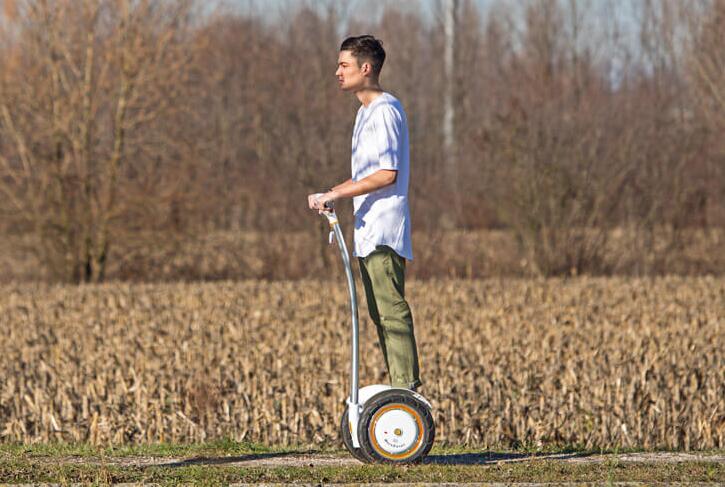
(396, 431)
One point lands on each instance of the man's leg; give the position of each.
(385, 271)
(373, 309)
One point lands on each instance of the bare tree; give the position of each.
(87, 77)
(706, 72)
(708, 64)
(148, 139)
(450, 27)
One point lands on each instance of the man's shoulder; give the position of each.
(388, 105)
(391, 100)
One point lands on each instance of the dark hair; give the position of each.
(366, 48)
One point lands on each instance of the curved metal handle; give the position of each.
(337, 231)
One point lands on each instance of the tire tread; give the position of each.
(358, 453)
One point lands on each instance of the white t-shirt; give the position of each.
(380, 141)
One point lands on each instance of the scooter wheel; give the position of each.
(396, 427)
(346, 436)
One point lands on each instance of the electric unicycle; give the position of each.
(381, 424)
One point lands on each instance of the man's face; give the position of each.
(350, 75)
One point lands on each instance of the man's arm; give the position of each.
(378, 179)
(342, 185)
(350, 188)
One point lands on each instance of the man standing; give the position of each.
(379, 188)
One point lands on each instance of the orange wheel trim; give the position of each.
(408, 452)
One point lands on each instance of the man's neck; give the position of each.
(368, 94)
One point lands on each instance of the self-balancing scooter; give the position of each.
(381, 424)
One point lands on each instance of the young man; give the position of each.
(379, 188)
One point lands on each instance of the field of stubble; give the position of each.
(506, 363)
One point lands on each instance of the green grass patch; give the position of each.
(216, 447)
(208, 463)
(227, 446)
(531, 471)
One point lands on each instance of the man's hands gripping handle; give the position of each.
(325, 207)
(322, 202)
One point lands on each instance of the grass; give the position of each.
(534, 471)
(63, 463)
(216, 447)
(230, 447)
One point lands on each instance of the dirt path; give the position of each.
(322, 459)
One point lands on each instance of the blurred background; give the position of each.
(177, 140)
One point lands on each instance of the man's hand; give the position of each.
(317, 201)
(312, 200)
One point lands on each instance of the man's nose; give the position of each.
(337, 72)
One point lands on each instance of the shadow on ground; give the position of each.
(484, 458)
(315, 458)
(251, 457)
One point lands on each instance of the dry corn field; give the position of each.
(593, 362)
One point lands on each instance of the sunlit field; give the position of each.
(592, 362)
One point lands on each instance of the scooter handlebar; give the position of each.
(329, 213)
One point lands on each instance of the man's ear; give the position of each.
(367, 68)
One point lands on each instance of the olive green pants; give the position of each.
(383, 276)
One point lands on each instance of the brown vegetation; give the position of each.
(596, 362)
(295, 255)
(125, 126)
